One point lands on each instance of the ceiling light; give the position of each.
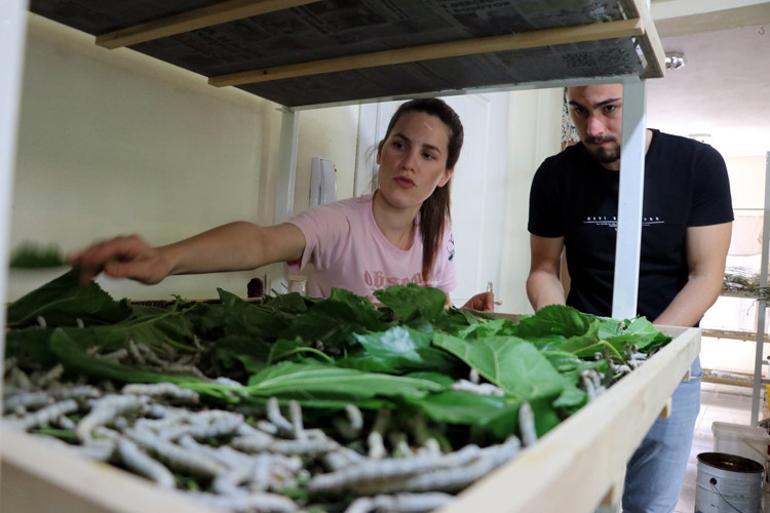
(675, 60)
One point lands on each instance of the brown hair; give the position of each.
(434, 212)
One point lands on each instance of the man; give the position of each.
(686, 226)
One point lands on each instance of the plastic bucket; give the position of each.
(727, 484)
(747, 441)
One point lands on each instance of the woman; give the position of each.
(399, 234)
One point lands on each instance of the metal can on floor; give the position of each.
(727, 484)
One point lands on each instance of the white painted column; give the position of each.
(761, 303)
(287, 165)
(630, 201)
(13, 26)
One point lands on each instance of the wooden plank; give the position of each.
(650, 41)
(733, 334)
(509, 42)
(40, 476)
(574, 465)
(577, 463)
(195, 19)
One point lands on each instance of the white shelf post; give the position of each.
(287, 165)
(761, 303)
(630, 202)
(13, 26)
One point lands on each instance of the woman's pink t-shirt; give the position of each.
(349, 251)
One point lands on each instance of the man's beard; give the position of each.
(604, 154)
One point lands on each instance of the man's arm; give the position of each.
(543, 284)
(706, 254)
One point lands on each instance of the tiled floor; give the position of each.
(721, 403)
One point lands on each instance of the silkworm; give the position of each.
(50, 376)
(478, 389)
(273, 411)
(20, 379)
(527, 424)
(447, 479)
(46, 415)
(474, 377)
(99, 449)
(355, 417)
(107, 408)
(80, 392)
(376, 445)
(25, 399)
(267, 427)
(143, 464)
(352, 476)
(79, 323)
(295, 414)
(41, 322)
(175, 456)
(164, 390)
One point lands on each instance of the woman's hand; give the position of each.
(122, 257)
(483, 301)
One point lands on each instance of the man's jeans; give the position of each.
(655, 472)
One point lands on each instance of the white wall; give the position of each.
(115, 142)
(535, 134)
(747, 181)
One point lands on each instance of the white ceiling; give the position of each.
(724, 90)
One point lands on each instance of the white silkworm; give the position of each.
(41, 322)
(478, 389)
(527, 424)
(450, 479)
(261, 473)
(20, 379)
(52, 375)
(376, 445)
(267, 427)
(79, 323)
(175, 456)
(355, 417)
(164, 390)
(274, 415)
(46, 415)
(136, 353)
(116, 356)
(65, 422)
(474, 377)
(80, 392)
(295, 414)
(353, 476)
(227, 482)
(25, 400)
(106, 409)
(100, 449)
(143, 464)
(222, 380)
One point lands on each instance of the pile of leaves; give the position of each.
(402, 355)
(30, 255)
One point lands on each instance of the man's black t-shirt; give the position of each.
(685, 184)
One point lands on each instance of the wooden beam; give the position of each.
(650, 42)
(732, 334)
(195, 19)
(532, 39)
